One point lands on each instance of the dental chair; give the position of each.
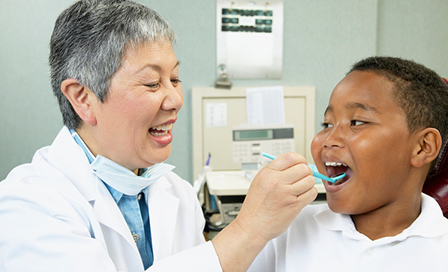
(436, 184)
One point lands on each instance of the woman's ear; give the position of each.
(427, 148)
(81, 98)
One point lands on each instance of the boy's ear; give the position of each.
(81, 98)
(427, 148)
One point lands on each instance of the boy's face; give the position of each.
(365, 133)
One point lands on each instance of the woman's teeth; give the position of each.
(161, 130)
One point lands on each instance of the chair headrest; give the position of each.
(436, 184)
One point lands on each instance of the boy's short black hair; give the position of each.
(419, 91)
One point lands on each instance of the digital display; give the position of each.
(263, 134)
(247, 135)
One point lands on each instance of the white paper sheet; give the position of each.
(216, 114)
(265, 106)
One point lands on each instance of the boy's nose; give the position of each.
(334, 138)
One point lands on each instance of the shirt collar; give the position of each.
(81, 143)
(338, 222)
(430, 223)
(117, 195)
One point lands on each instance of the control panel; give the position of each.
(249, 142)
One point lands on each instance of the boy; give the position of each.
(384, 126)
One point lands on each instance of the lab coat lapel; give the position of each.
(163, 209)
(66, 156)
(69, 158)
(110, 215)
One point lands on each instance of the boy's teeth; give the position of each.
(335, 164)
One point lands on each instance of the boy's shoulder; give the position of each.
(431, 222)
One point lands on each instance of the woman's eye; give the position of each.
(153, 85)
(175, 81)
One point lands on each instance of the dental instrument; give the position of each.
(315, 174)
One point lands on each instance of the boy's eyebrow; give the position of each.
(354, 105)
(357, 105)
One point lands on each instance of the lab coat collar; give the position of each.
(69, 158)
(164, 206)
(110, 216)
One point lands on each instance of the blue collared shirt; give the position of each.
(134, 209)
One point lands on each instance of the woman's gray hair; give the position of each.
(89, 40)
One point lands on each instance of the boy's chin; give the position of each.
(342, 206)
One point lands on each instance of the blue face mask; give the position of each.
(123, 179)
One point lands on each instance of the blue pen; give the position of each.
(315, 174)
(208, 159)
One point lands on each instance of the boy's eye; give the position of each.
(326, 125)
(357, 122)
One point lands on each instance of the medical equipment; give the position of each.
(248, 141)
(217, 113)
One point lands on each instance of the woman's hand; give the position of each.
(276, 196)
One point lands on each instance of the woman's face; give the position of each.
(134, 124)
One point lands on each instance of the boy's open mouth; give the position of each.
(337, 168)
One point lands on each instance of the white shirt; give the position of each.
(321, 240)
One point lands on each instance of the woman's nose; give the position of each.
(173, 99)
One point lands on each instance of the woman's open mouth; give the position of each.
(161, 130)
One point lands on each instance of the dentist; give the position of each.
(101, 198)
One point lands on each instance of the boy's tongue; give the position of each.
(338, 170)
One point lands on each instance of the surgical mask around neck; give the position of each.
(123, 179)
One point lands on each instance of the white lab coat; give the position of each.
(56, 215)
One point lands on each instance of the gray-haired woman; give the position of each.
(100, 197)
